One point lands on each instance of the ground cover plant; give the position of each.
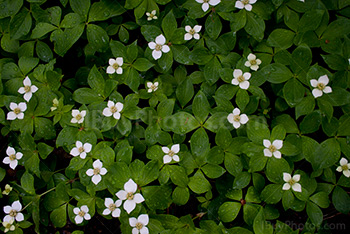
(184, 116)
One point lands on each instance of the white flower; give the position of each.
(291, 182)
(17, 111)
(158, 47)
(115, 65)
(152, 87)
(113, 109)
(192, 32)
(236, 119)
(81, 149)
(97, 171)
(206, 3)
(129, 195)
(28, 89)
(13, 212)
(247, 4)
(171, 153)
(241, 79)
(112, 207)
(12, 157)
(8, 226)
(78, 116)
(152, 15)
(81, 213)
(301, 0)
(55, 103)
(139, 224)
(272, 149)
(7, 189)
(320, 86)
(252, 62)
(344, 167)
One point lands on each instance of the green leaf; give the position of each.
(9, 7)
(301, 58)
(213, 171)
(65, 40)
(27, 182)
(184, 92)
(165, 107)
(260, 225)
(288, 123)
(229, 211)
(181, 195)
(8, 44)
(257, 132)
(157, 197)
(104, 10)
(293, 92)
(344, 126)
(43, 51)
(41, 29)
(213, 26)
(44, 150)
(178, 175)
(200, 144)
(311, 122)
(242, 180)
(315, 213)
(150, 172)
(272, 193)
(217, 121)
(275, 168)
(242, 99)
(211, 71)
(26, 64)
(198, 183)
(341, 200)
(81, 7)
(327, 154)
(142, 64)
(255, 26)
(20, 24)
(321, 199)
(97, 37)
(338, 97)
(104, 152)
(335, 62)
(238, 20)
(169, 24)
(96, 81)
(124, 126)
(306, 106)
(281, 38)
(181, 54)
(200, 107)
(150, 32)
(59, 216)
(276, 73)
(201, 56)
(86, 96)
(310, 20)
(233, 164)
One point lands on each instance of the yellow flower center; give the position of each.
(130, 196)
(151, 15)
(236, 118)
(240, 79)
(253, 62)
(12, 157)
(345, 167)
(78, 117)
(96, 171)
(192, 31)
(171, 153)
(139, 226)
(113, 109)
(27, 88)
(81, 213)
(245, 2)
(81, 149)
(321, 86)
(115, 66)
(17, 111)
(158, 47)
(153, 87)
(112, 207)
(292, 182)
(13, 213)
(272, 148)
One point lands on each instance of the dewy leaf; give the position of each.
(20, 24)
(201, 56)
(184, 92)
(104, 10)
(315, 213)
(27, 182)
(198, 183)
(272, 193)
(41, 29)
(65, 40)
(310, 20)
(96, 81)
(97, 37)
(281, 38)
(86, 96)
(200, 107)
(260, 225)
(276, 73)
(200, 144)
(341, 200)
(142, 64)
(213, 26)
(255, 26)
(293, 92)
(9, 7)
(81, 7)
(229, 211)
(169, 24)
(257, 132)
(59, 216)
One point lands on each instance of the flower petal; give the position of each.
(7, 209)
(97, 164)
(327, 89)
(165, 149)
(314, 83)
(267, 153)
(277, 154)
(251, 57)
(254, 67)
(116, 115)
(166, 159)
(27, 81)
(175, 148)
(205, 7)
(230, 118)
(239, 5)
(286, 177)
(22, 106)
(120, 61)
(11, 116)
(323, 79)
(237, 73)
(33, 89)
(21, 90)
(87, 216)
(248, 7)
(144, 230)
(111, 61)
(266, 143)
(188, 28)
(235, 81)
(107, 112)
(120, 70)
(130, 186)
(197, 28)
(343, 161)
(121, 194)
(27, 96)
(244, 119)
(129, 205)
(133, 221)
(196, 36)
(144, 219)
(19, 217)
(119, 106)
(286, 186)
(165, 48)
(103, 171)
(20, 116)
(346, 173)
(317, 93)
(236, 124)
(296, 177)
(96, 179)
(108, 201)
(278, 144)
(83, 155)
(85, 208)
(13, 105)
(176, 158)
(90, 172)
(16, 205)
(74, 152)
(110, 104)
(187, 37)
(13, 164)
(10, 150)
(6, 160)
(152, 45)
(236, 111)
(87, 147)
(138, 198)
(244, 85)
(106, 211)
(247, 75)
(116, 213)
(78, 219)
(156, 54)
(214, 2)
(296, 187)
(76, 210)
(160, 39)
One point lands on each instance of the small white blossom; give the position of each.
(206, 3)
(28, 89)
(152, 87)
(252, 62)
(8, 226)
(320, 86)
(151, 15)
(272, 149)
(291, 182)
(97, 171)
(192, 32)
(55, 103)
(7, 189)
(17, 111)
(113, 109)
(12, 157)
(344, 167)
(81, 149)
(246, 4)
(112, 207)
(171, 154)
(236, 119)
(241, 79)
(130, 196)
(158, 47)
(301, 0)
(13, 212)
(78, 116)
(82, 213)
(115, 65)
(139, 224)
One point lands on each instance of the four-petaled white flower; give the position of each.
(97, 171)
(115, 65)
(113, 109)
(301, 0)
(206, 3)
(291, 182)
(344, 167)
(130, 196)
(158, 47)
(55, 104)
(320, 86)
(8, 226)
(28, 89)
(81, 149)
(171, 154)
(246, 4)
(236, 119)
(192, 32)
(78, 116)
(151, 15)
(13, 212)
(152, 87)
(139, 224)
(252, 62)
(241, 79)
(17, 111)
(112, 207)
(12, 157)
(272, 149)
(7, 189)
(82, 213)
